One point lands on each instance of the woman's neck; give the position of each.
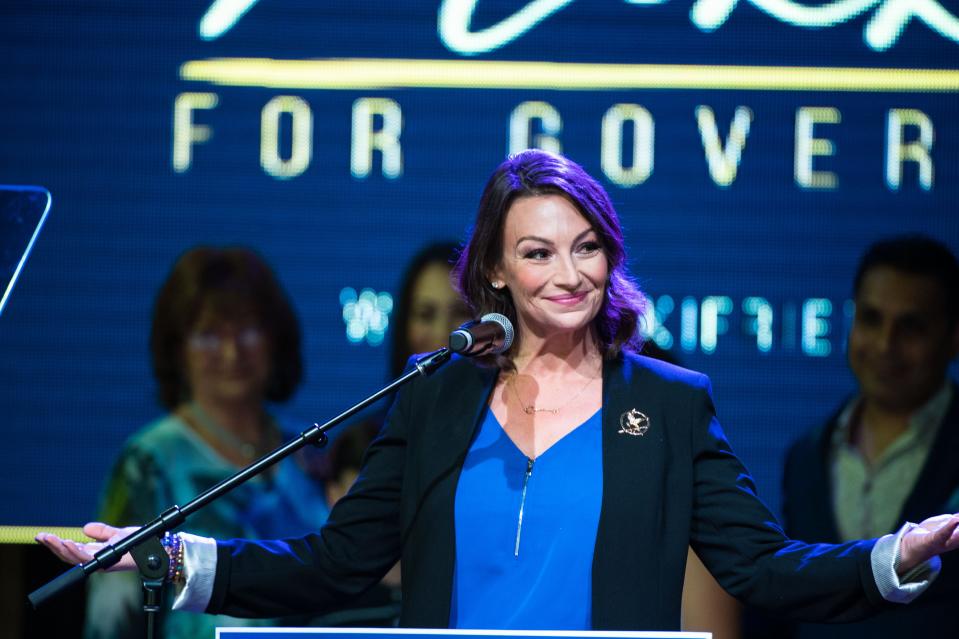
(567, 352)
(244, 419)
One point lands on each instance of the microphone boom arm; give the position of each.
(175, 515)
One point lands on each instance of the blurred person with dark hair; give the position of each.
(428, 308)
(556, 484)
(889, 454)
(224, 341)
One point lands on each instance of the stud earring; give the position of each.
(497, 284)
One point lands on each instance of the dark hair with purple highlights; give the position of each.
(535, 173)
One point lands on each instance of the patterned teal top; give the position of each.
(167, 463)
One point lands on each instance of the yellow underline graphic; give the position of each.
(391, 73)
(25, 534)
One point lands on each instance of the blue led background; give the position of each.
(87, 110)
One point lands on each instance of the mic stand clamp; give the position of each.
(153, 562)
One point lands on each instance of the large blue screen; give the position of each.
(753, 149)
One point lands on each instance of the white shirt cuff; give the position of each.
(199, 568)
(885, 559)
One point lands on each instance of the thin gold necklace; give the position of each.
(530, 409)
(248, 450)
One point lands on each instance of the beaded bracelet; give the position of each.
(173, 544)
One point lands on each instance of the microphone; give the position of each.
(491, 334)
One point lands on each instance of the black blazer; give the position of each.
(677, 484)
(808, 513)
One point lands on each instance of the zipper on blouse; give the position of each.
(522, 504)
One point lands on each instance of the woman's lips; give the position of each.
(571, 299)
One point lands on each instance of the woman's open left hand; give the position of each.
(73, 552)
(932, 537)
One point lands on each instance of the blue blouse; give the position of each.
(525, 531)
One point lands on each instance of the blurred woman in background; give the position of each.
(224, 341)
(428, 309)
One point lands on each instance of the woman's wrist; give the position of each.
(173, 544)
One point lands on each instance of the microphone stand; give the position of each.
(144, 543)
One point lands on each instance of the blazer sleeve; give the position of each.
(351, 553)
(745, 548)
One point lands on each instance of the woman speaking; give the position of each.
(556, 485)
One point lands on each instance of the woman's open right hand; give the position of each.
(73, 552)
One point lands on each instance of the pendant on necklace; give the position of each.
(532, 410)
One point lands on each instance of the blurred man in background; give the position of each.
(891, 453)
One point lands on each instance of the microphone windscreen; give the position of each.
(507, 325)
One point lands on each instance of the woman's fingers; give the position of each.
(67, 550)
(74, 552)
(938, 532)
(99, 531)
(946, 537)
(932, 537)
(113, 536)
(80, 552)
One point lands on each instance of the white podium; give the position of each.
(413, 633)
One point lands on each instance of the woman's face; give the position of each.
(553, 266)
(227, 360)
(435, 309)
